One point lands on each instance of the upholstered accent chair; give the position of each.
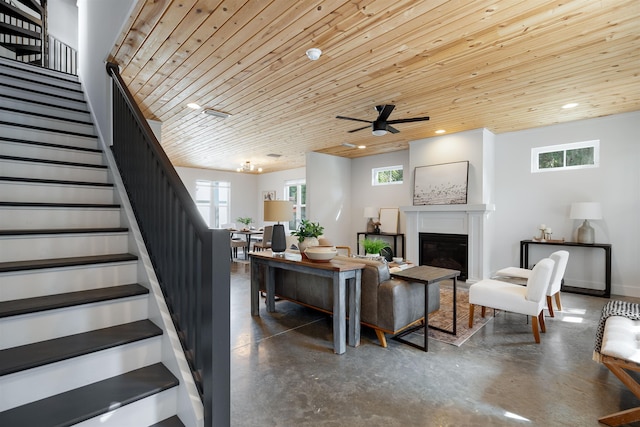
(561, 258)
(528, 300)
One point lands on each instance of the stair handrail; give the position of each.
(181, 248)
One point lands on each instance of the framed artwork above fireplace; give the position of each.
(443, 184)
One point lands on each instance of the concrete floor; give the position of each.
(284, 372)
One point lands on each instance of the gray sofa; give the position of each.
(388, 305)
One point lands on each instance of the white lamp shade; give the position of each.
(586, 210)
(370, 212)
(278, 210)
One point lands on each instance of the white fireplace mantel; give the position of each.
(471, 220)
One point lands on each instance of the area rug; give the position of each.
(443, 318)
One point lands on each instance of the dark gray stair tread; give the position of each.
(169, 422)
(30, 356)
(83, 403)
(55, 181)
(64, 262)
(59, 205)
(62, 231)
(51, 302)
(53, 162)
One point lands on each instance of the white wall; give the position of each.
(525, 200)
(62, 21)
(99, 24)
(275, 181)
(364, 194)
(244, 188)
(329, 195)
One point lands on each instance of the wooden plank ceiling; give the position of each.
(505, 65)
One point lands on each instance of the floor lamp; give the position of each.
(276, 211)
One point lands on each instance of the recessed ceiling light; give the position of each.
(440, 131)
(193, 105)
(570, 105)
(362, 146)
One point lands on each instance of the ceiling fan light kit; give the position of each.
(381, 125)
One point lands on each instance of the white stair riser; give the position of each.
(50, 281)
(46, 325)
(49, 109)
(43, 97)
(56, 218)
(45, 122)
(27, 169)
(38, 383)
(14, 191)
(52, 138)
(144, 412)
(45, 88)
(34, 151)
(24, 248)
(42, 74)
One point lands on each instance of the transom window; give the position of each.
(387, 175)
(575, 155)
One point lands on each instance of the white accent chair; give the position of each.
(528, 300)
(560, 258)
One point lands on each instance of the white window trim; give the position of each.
(536, 151)
(376, 171)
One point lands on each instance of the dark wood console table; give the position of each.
(524, 263)
(373, 235)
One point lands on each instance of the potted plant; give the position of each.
(373, 246)
(307, 234)
(246, 221)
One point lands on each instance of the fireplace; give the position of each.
(445, 251)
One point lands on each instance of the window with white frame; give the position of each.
(575, 155)
(213, 202)
(387, 175)
(296, 192)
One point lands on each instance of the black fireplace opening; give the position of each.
(446, 251)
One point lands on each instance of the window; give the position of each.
(576, 155)
(213, 202)
(387, 175)
(297, 193)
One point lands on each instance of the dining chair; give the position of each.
(560, 258)
(265, 243)
(528, 300)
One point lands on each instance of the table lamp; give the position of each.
(586, 211)
(276, 211)
(370, 212)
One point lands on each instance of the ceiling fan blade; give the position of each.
(384, 112)
(415, 119)
(351, 118)
(392, 129)
(356, 130)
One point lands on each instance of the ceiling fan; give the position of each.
(381, 125)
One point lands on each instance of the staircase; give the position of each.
(23, 29)
(77, 344)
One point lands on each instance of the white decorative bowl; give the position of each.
(321, 253)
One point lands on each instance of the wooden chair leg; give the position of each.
(558, 303)
(534, 326)
(550, 306)
(381, 338)
(471, 316)
(543, 326)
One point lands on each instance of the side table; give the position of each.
(428, 275)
